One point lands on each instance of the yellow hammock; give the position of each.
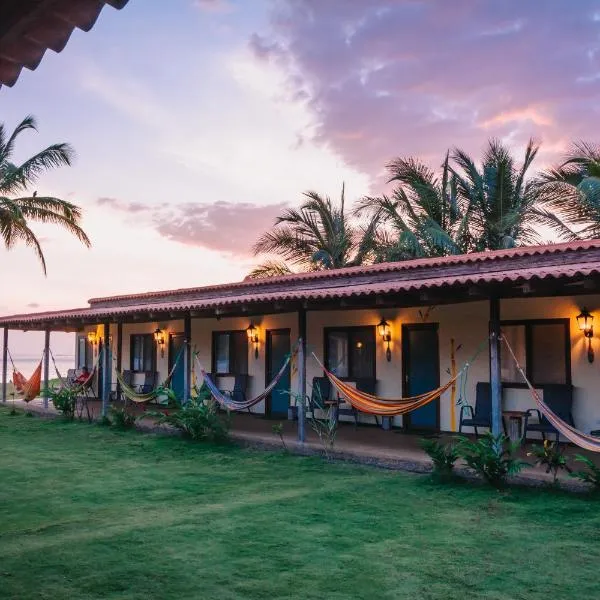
(583, 440)
(382, 407)
(138, 398)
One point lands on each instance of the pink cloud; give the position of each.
(409, 77)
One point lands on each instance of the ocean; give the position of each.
(27, 364)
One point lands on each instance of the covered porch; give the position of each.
(404, 328)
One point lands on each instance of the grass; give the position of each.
(89, 512)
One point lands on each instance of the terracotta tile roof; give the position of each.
(29, 27)
(573, 262)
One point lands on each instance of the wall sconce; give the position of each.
(585, 322)
(252, 333)
(92, 338)
(386, 335)
(159, 338)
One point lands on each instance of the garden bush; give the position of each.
(443, 456)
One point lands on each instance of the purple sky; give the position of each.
(194, 123)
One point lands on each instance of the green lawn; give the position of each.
(88, 512)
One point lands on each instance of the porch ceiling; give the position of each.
(563, 269)
(29, 27)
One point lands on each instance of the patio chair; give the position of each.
(71, 376)
(482, 415)
(320, 393)
(363, 384)
(149, 382)
(559, 398)
(240, 385)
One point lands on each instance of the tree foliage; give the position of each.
(19, 207)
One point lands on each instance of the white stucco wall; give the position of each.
(466, 323)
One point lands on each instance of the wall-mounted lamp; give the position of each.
(252, 333)
(386, 335)
(585, 322)
(92, 337)
(159, 338)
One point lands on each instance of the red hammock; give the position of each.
(30, 388)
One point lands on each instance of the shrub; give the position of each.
(492, 457)
(120, 417)
(443, 456)
(277, 429)
(591, 475)
(550, 456)
(64, 400)
(197, 419)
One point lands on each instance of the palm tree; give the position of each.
(505, 206)
(422, 217)
(572, 190)
(313, 237)
(17, 212)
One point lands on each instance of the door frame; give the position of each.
(269, 376)
(406, 328)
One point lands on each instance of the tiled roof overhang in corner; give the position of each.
(30, 27)
(536, 270)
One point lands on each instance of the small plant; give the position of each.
(104, 421)
(443, 456)
(64, 400)
(121, 417)
(591, 475)
(197, 419)
(550, 456)
(492, 457)
(278, 430)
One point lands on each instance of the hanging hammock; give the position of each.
(82, 385)
(129, 392)
(227, 402)
(579, 438)
(30, 388)
(391, 407)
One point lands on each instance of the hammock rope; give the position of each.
(579, 438)
(129, 392)
(228, 402)
(83, 385)
(391, 407)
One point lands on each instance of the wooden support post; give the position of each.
(187, 358)
(46, 366)
(4, 364)
(495, 381)
(105, 395)
(301, 401)
(119, 355)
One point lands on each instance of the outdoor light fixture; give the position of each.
(386, 335)
(159, 338)
(92, 337)
(252, 333)
(585, 322)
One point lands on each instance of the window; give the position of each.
(230, 352)
(350, 352)
(84, 352)
(143, 353)
(543, 349)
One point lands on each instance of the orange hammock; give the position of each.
(373, 405)
(30, 388)
(583, 440)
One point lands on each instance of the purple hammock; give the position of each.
(226, 401)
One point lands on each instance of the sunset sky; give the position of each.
(196, 121)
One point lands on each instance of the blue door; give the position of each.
(176, 344)
(421, 364)
(278, 348)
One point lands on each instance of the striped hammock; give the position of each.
(129, 392)
(579, 438)
(228, 402)
(385, 407)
